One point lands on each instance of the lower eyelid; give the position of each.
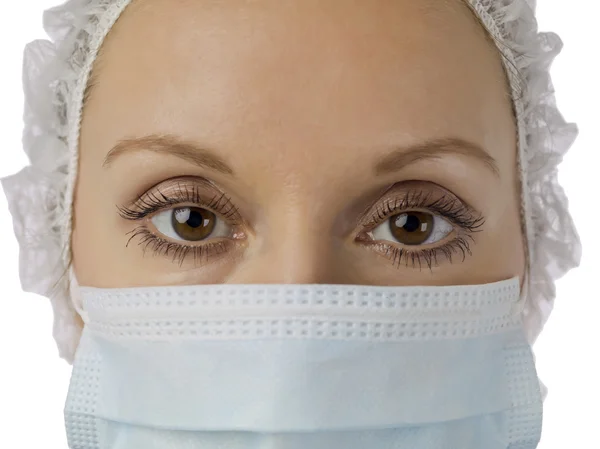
(179, 252)
(416, 256)
(405, 256)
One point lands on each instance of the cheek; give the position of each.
(98, 243)
(90, 243)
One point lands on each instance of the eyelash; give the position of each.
(461, 215)
(450, 208)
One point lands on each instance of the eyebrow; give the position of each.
(434, 149)
(394, 161)
(170, 144)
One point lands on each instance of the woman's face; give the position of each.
(297, 142)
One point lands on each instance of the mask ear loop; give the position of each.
(520, 308)
(76, 297)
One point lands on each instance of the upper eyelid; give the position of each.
(155, 200)
(195, 191)
(464, 215)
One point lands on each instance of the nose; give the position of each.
(295, 251)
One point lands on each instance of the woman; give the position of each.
(387, 165)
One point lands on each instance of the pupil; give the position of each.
(412, 223)
(195, 219)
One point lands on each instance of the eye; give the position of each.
(413, 228)
(190, 224)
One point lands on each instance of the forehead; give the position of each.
(301, 79)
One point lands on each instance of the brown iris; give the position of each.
(411, 228)
(193, 223)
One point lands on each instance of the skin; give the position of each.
(301, 99)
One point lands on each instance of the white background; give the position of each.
(34, 381)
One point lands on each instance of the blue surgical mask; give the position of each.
(304, 367)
